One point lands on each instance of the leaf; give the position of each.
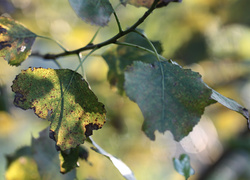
(64, 98)
(121, 166)
(230, 104)
(170, 98)
(15, 41)
(68, 160)
(148, 3)
(47, 158)
(182, 166)
(96, 12)
(120, 57)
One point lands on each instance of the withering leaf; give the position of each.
(96, 12)
(118, 58)
(64, 98)
(15, 41)
(148, 3)
(170, 98)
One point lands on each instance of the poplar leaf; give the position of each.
(170, 98)
(119, 57)
(15, 41)
(64, 98)
(96, 12)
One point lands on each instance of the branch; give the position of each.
(99, 45)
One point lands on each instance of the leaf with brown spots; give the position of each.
(15, 41)
(64, 98)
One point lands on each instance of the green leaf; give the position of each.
(47, 158)
(182, 166)
(118, 58)
(121, 166)
(68, 159)
(15, 41)
(64, 98)
(170, 98)
(96, 12)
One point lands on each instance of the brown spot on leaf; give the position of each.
(89, 129)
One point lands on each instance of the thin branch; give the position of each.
(107, 42)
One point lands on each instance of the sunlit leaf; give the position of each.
(182, 166)
(64, 98)
(118, 58)
(15, 41)
(170, 98)
(147, 3)
(121, 166)
(93, 11)
(47, 158)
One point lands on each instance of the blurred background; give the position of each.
(210, 37)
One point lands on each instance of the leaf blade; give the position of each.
(97, 12)
(172, 102)
(15, 41)
(63, 98)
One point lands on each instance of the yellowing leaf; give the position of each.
(64, 98)
(15, 41)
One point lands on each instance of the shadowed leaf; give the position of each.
(118, 58)
(15, 41)
(64, 98)
(170, 98)
(47, 158)
(93, 11)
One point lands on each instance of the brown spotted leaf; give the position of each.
(15, 41)
(64, 98)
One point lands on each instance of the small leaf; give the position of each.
(97, 12)
(170, 98)
(147, 3)
(64, 98)
(121, 166)
(182, 166)
(47, 158)
(15, 41)
(120, 57)
(68, 159)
